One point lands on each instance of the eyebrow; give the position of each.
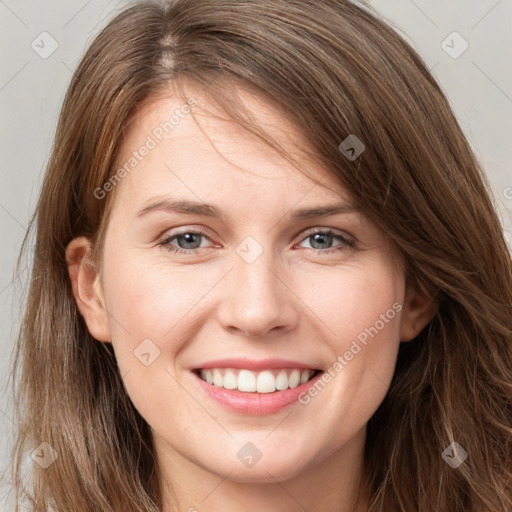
(208, 210)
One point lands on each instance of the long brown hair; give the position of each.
(336, 70)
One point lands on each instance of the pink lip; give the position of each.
(254, 403)
(248, 364)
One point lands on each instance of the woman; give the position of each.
(182, 349)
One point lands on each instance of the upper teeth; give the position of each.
(266, 381)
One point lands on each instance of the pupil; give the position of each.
(322, 238)
(189, 238)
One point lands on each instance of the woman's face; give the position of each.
(224, 265)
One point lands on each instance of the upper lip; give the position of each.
(254, 364)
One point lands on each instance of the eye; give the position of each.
(322, 238)
(187, 242)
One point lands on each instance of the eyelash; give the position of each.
(346, 243)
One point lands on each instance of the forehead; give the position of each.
(198, 152)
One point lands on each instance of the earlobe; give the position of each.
(418, 310)
(87, 290)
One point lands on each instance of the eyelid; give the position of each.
(348, 240)
(347, 236)
(204, 231)
(181, 230)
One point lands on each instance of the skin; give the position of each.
(292, 302)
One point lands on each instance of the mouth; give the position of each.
(248, 381)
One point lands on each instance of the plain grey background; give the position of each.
(465, 43)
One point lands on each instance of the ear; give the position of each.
(417, 311)
(87, 290)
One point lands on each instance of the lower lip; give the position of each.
(255, 403)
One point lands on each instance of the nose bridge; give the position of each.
(257, 299)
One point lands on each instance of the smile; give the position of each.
(265, 381)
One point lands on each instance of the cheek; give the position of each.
(150, 306)
(351, 300)
(360, 313)
(151, 299)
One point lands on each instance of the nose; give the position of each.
(257, 301)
